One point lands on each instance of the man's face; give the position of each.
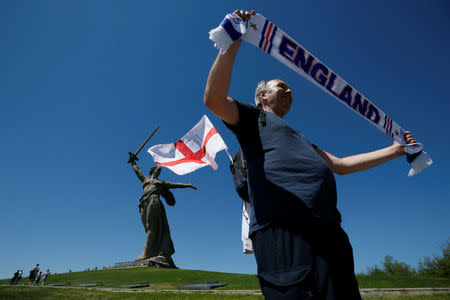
(278, 98)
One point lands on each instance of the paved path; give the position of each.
(365, 293)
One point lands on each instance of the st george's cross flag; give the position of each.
(193, 151)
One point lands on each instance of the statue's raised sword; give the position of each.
(133, 156)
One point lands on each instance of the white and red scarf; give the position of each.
(265, 35)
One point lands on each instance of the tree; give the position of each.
(392, 267)
(395, 267)
(438, 265)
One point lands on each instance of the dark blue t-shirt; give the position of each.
(287, 179)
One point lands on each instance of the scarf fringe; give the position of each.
(420, 163)
(220, 38)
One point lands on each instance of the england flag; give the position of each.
(195, 150)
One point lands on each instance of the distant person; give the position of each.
(18, 277)
(44, 278)
(38, 277)
(33, 273)
(16, 274)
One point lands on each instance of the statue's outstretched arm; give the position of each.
(175, 185)
(138, 172)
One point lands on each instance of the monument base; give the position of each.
(156, 262)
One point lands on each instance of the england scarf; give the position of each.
(195, 150)
(263, 34)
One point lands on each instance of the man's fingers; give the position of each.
(409, 138)
(244, 15)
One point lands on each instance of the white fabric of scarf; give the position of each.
(265, 35)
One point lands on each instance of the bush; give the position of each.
(375, 271)
(438, 265)
(392, 267)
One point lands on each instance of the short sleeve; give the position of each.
(248, 120)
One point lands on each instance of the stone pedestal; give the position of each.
(157, 262)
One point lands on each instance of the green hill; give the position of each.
(174, 278)
(156, 277)
(171, 279)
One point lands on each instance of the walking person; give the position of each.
(33, 273)
(45, 277)
(38, 277)
(16, 274)
(18, 277)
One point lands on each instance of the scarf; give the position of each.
(265, 35)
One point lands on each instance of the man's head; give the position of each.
(274, 96)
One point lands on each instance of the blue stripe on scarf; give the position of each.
(271, 39)
(262, 33)
(234, 35)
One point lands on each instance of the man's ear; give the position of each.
(262, 97)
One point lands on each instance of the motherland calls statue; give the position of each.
(158, 246)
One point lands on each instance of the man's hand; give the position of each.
(216, 92)
(244, 15)
(409, 140)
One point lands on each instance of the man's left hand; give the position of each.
(409, 140)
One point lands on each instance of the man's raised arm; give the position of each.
(364, 161)
(216, 92)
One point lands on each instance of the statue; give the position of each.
(158, 246)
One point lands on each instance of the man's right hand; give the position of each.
(216, 91)
(243, 14)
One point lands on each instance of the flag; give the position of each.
(193, 151)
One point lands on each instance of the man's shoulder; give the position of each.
(248, 114)
(245, 105)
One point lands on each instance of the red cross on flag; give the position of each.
(193, 151)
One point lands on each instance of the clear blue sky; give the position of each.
(82, 83)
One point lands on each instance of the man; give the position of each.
(33, 273)
(19, 277)
(300, 248)
(16, 275)
(45, 277)
(38, 277)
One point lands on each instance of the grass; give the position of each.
(172, 279)
(157, 278)
(36, 293)
(422, 297)
(386, 281)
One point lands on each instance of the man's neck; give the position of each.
(268, 109)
